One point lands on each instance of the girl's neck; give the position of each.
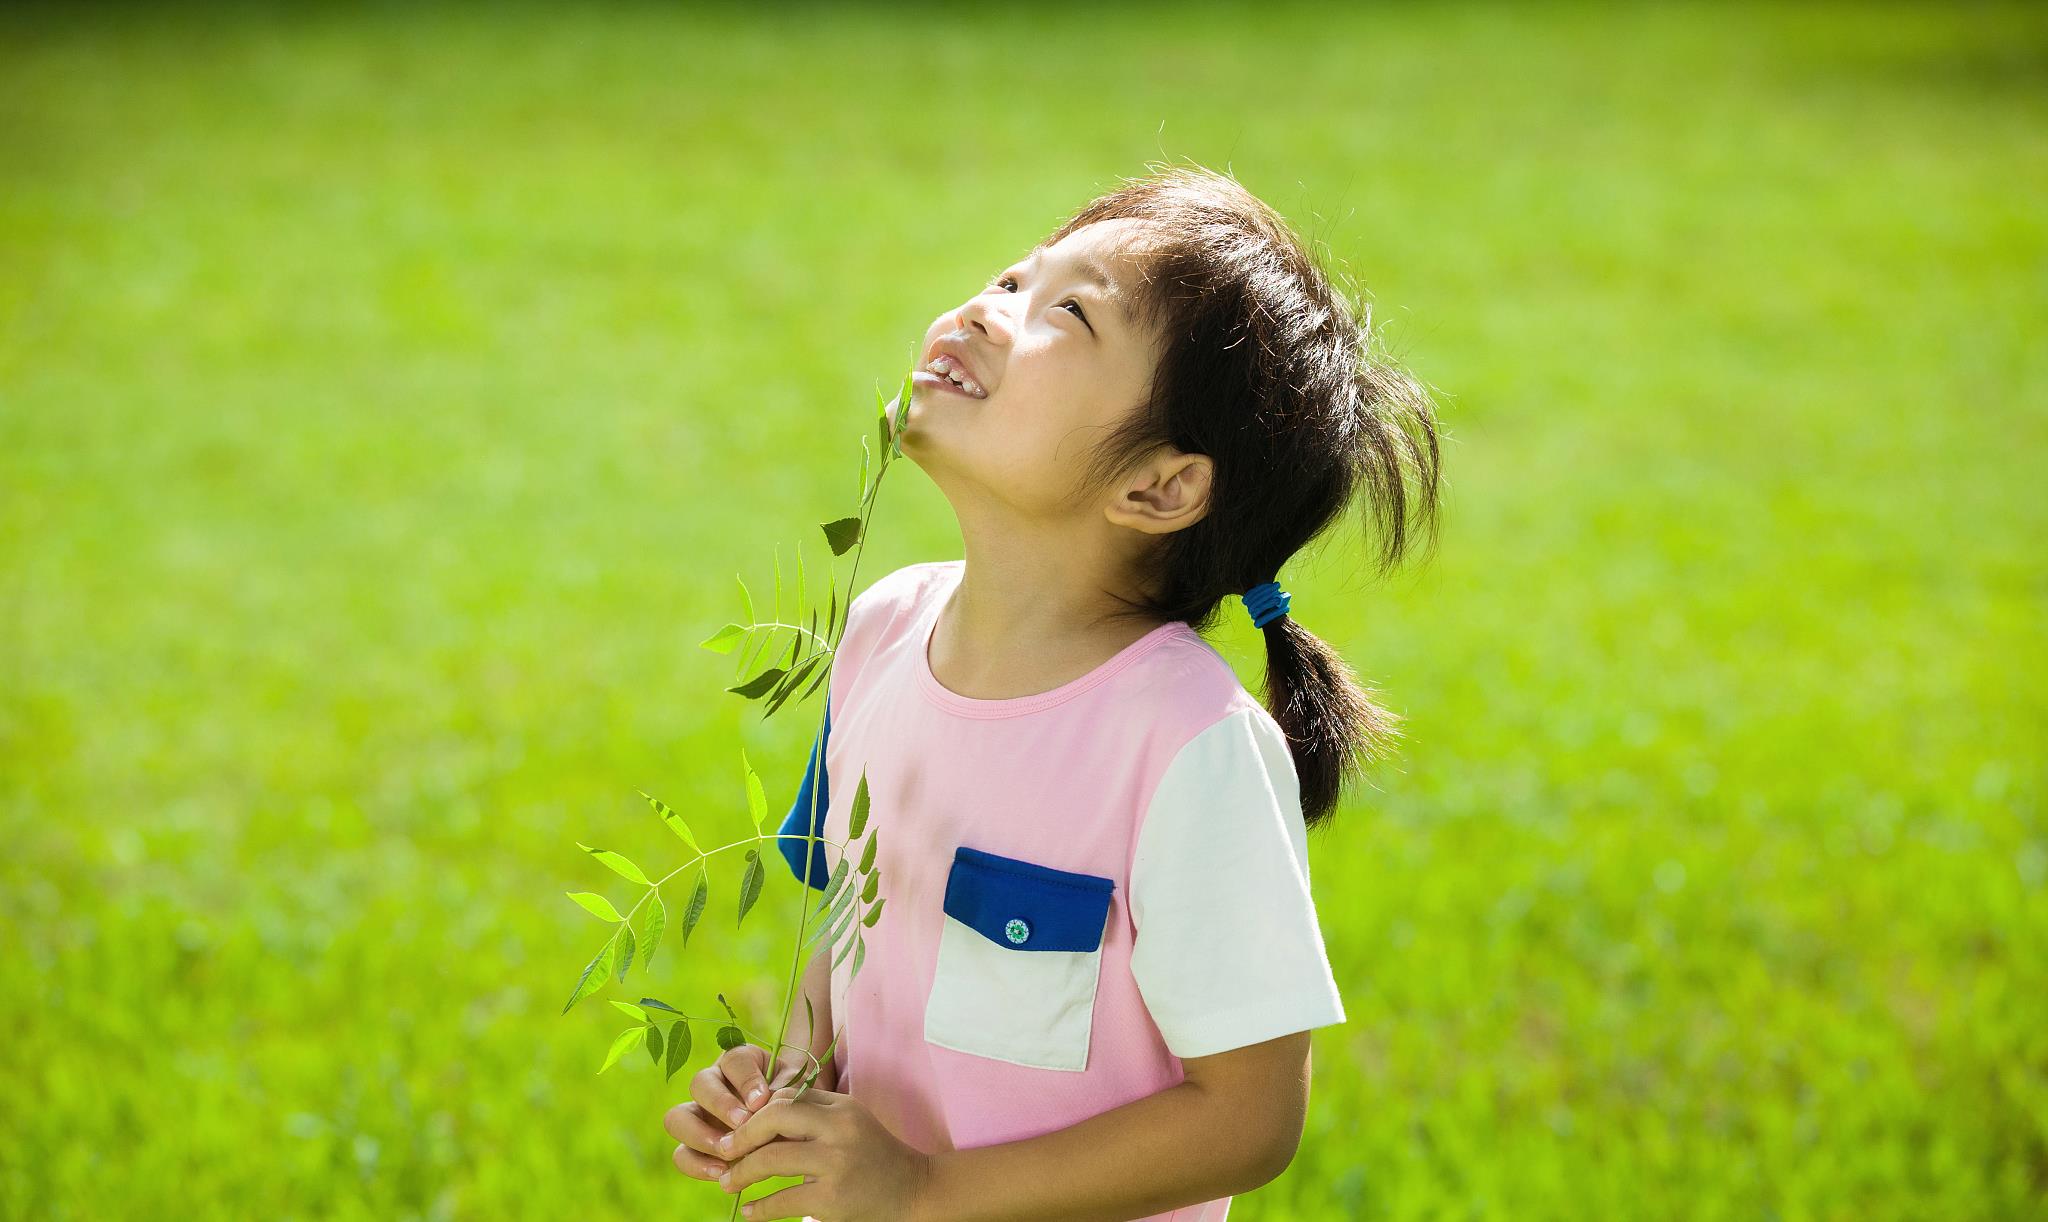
(1027, 623)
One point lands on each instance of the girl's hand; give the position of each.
(723, 1095)
(854, 1168)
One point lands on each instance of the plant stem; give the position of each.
(789, 991)
(811, 821)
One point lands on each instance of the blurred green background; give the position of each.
(389, 396)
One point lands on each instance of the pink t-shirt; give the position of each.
(1083, 886)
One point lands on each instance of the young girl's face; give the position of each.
(1059, 360)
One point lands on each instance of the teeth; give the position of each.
(945, 367)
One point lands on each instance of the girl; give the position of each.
(1093, 986)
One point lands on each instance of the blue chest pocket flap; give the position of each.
(1021, 905)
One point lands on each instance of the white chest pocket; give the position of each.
(1018, 961)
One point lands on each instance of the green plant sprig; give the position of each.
(843, 909)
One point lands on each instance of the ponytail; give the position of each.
(1335, 725)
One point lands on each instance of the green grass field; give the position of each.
(388, 399)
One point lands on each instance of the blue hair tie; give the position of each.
(1266, 603)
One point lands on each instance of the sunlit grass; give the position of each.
(387, 401)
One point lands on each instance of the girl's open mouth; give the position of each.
(926, 378)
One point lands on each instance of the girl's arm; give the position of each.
(1231, 1126)
(817, 986)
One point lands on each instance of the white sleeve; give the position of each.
(1227, 949)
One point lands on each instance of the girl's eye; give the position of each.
(1000, 281)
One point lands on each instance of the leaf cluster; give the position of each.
(843, 910)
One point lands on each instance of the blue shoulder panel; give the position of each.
(1021, 905)
(793, 824)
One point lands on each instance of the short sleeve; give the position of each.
(1228, 951)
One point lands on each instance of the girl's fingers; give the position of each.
(743, 1068)
(720, 1089)
(794, 1202)
(693, 1158)
(687, 1124)
(776, 1158)
(709, 1090)
(698, 1166)
(781, 1117)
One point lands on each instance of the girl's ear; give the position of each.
(1167, 493)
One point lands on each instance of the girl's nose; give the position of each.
(983, 315)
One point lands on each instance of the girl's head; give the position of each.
(1061, 344)
(1170, 380)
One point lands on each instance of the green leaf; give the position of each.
(695, 908)
(678, 1047)
(746, 598)
(842, 534)
(595, 973)
(830, 938)
(626, 1040)
(822, 676)
(656, 1003)
(653, 918)
(874, 913)
(810, 1018)
(840, 876)
(630, 1010)
(729, 1037)
(860, 954)
(830, 891)
(625, 951)
(847, 909)
(597, 905)
(673, 820)
(835, 923)
(617, 864)
(757, 799)
(860, 807)
(830, 924)
(903, 411)
(750, 884)
(795, 681)
(724, 639)
(867, 855)
(654, 1044)
(867, 895)
(799, 578)
(846, 948)
(822, 1057)
(759, 684)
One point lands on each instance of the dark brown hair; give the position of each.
(1274, 372)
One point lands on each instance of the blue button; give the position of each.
(1017, 930)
